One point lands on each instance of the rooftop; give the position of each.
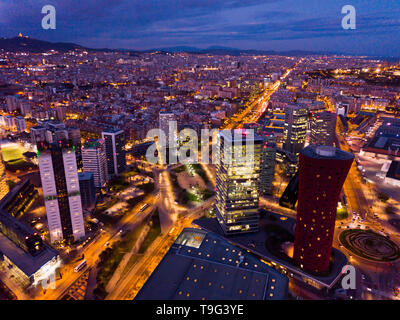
(326, 152)
(203, 265)
(23, 260)
(256, 244)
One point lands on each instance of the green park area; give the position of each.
(12, 152)
(342, 213)
(112, 256)
(14, 158)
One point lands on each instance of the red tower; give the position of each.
(322, 172)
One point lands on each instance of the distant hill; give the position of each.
(25, 44)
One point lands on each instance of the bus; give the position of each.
(144, 207)
(80, 266)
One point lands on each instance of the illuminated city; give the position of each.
(199, 162)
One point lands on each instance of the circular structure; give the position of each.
(370, 245)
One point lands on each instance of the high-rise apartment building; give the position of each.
(115, 151)
(164, 120)
(20, 124)
(38, 134)
(267, 164)
(322, 172)
(238, 183)
(60, 183)
(294, 135)
(322, 128)
(95, 161)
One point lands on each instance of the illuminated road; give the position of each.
(94, 249)
(255, 109)
(138, 275)
(381, 274)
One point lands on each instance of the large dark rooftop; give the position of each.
(202, 265)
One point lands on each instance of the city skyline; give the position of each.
(212, 174)
(259, 25)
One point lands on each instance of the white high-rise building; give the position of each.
(60, 183)
(95, 161)
(20, 124)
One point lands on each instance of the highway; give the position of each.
(380, 274)
(94, 249)
(254, 110)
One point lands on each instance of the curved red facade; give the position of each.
(322, 172)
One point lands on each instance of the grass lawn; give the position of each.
(154, 232)
(199, 170)
(192, 197)
(341, 214)
(111, 257)
(11, 153)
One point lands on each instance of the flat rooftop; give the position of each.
(326, 152)
(202, 265)
(27, 263)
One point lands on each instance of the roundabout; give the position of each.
(370, 245)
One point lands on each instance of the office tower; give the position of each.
(290, 195)
(60, 183)
(238, 183)
(115, 151)
(322, 172)
(164, 120)
(267, 164)
(4, 189)
(20, 124)
(38, 134)
(322, 128)
(74, 134)
(87, 189)
(294, 135)
(95, 161)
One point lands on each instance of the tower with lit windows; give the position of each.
(322, 172)
(115, 151)
(322, 128)
(238, 182)
(95, 161)
(60, 183)
(294, 134)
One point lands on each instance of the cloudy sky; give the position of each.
(245, 24)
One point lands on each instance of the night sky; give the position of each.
(259, 24)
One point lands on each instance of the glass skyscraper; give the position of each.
(294, 135)
(238, 182)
